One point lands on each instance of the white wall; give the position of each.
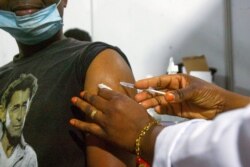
(241, 45)
(8, 47)
(78, 14)
(151, 31)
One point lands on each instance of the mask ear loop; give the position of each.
(58, 3)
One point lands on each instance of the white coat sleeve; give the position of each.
(223, 142)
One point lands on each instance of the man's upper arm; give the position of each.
(108, 68)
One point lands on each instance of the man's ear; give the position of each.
(65, 2)
(61, 6)
(2, 114)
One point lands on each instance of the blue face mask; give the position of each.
(34, 28)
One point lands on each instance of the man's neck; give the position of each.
(8, 145)
(29, 50)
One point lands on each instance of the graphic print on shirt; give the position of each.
(15, 104)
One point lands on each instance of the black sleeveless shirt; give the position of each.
(60, 71)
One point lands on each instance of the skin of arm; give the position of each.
(148, 143)
(234, 100)
(109, 68)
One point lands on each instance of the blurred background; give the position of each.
(149, 32)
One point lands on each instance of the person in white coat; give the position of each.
(217, 133)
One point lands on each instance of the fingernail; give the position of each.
(72, 122)
(74, 100)
(170, 97)
(82, 93)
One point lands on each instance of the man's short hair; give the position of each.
(22, 83)
(78, 34)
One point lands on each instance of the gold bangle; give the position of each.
(141, 135)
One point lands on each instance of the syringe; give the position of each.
(150, 90)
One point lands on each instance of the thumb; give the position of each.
(107, 93)
(179, 95)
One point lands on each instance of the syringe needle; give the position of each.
(150, 90)
(126, 84)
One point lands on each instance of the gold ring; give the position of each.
(93, 113)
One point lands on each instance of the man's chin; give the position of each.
(15, 135)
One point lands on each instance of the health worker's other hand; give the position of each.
(186, 96)
(115, 117)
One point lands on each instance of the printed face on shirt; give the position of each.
(25, 7)
(17, 110)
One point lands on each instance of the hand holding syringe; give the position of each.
(130, 85)
(172, 69)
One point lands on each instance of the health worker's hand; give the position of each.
(186, 96)
(116, 117)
